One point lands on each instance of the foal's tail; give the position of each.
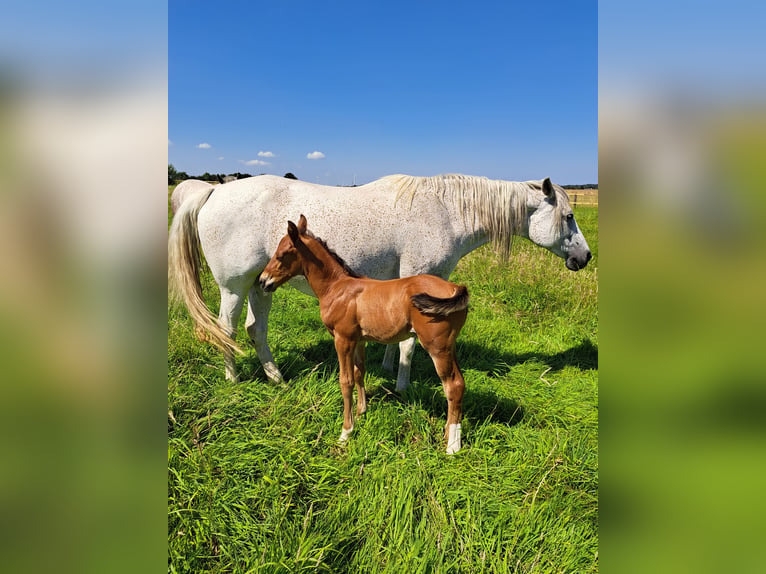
(184, 263)
(443, 307)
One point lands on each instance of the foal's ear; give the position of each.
(548, 188)
(302, 224)
(292, 231)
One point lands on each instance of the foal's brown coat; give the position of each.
(358, 309)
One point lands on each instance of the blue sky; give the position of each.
(506, 90)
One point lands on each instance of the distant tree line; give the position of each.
(175, 176)
(581, 186)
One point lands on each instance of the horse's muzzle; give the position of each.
(575, 263)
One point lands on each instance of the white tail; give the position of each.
(184, 263)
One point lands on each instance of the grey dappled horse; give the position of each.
(396, 226)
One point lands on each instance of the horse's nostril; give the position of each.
(588, 256)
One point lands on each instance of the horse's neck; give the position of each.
(471, 240)
(469, 231)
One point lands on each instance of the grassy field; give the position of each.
(257, 482)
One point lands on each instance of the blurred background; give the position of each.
(682, 150)
(83, 132)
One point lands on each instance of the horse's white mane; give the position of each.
(500, 207)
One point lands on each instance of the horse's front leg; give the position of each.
(406, 350)
(389, 358)
(346, 350)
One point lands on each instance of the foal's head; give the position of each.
(287, 262)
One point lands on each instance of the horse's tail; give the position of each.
(437, 306)
(184, 264)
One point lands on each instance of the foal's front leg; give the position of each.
(361, 395)
(346, 350)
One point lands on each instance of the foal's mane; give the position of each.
(500, 207)
(334, 255)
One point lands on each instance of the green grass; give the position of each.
(257, 482)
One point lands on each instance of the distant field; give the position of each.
(257, 482)
(583, 197)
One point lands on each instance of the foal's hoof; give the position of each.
(453, 440)
(343, 439)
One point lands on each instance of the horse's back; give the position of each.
(243, 221)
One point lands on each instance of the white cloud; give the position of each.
(266, 154)
(254, 162)
(315, 155)
(220, 157)
(170, 142)
(204, 146)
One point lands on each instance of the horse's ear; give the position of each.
(302, 224)
(548, 188)
(292, 231)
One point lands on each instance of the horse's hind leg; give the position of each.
(361, 395)
(257, 325)
(228, 317)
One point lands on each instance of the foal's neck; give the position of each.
(322, 270)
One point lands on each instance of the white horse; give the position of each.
(186, 188)
(396, 226)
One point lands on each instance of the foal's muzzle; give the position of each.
(575, 263)
(267, 283)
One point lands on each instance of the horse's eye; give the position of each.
(570, 216)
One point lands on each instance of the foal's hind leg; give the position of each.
(448, 370)
(257, 325)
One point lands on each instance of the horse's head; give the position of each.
(551, 224)
(286, 262)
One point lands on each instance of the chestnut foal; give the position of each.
(357, 309)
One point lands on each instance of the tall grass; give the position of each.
(257, 482)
